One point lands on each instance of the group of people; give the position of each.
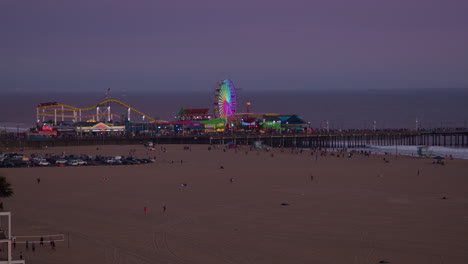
(32, 245)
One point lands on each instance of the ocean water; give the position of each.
(459, 153)
(342, 109)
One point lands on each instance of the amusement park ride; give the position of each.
(225, 107)
(226, 116)
(99, 112)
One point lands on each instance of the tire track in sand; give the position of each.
(114, 253)
(218, 252)
(162, 248)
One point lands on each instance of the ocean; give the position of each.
(459, 153)
(342, 109)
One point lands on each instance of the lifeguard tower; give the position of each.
(423, 151)
(5, 240)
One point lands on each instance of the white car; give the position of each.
(72, 163)
(17, 157)
(43, 162)
(61, 161)
(81, 162)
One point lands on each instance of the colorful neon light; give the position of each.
(226, 104)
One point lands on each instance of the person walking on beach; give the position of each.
(42, 241)
(38, 180)
(27, 245)
(164, 208)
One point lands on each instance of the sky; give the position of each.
(188, 45)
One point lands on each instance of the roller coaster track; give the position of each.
(62, 107)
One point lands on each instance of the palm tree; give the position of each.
(5, 189)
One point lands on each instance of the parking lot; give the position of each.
(11, 160)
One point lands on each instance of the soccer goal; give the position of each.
(37, 239)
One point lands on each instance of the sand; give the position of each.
(355, 210)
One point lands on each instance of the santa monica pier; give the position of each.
(114, 122)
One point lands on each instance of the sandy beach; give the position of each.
(261, 207)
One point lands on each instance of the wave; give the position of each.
(459, 153)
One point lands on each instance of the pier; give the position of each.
(351, 140)
(449, 138)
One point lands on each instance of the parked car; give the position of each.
(117, 162)
(7, 164)
(72, 163)
(81, 162)
(42, 162)
(61, 161)
(15, 156)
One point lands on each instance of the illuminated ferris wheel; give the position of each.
(225, 104)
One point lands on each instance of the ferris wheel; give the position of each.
(225, 104)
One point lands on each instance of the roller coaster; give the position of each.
(62, 112)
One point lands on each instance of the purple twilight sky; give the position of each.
(52, 45)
